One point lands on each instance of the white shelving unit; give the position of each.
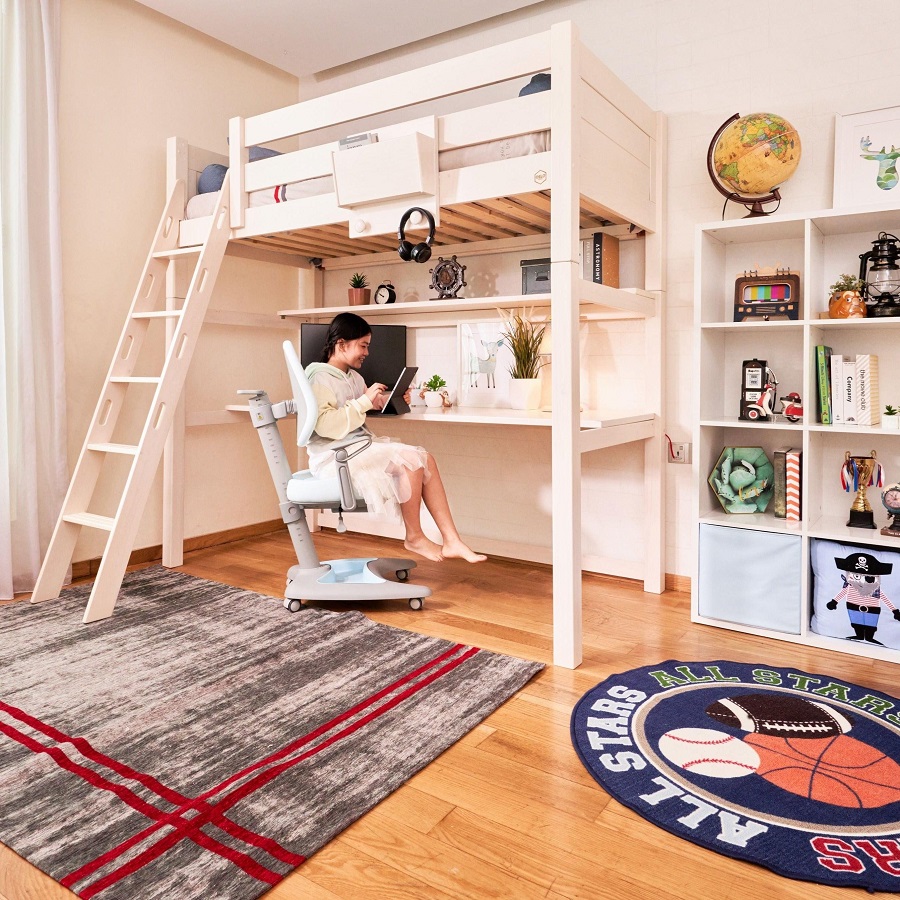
(820, 246)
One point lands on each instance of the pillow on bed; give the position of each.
(538, 83)
(262, 153)
(211, 178)
(213, 175)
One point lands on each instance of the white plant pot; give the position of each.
(433, 399)
(525, 393)
(890, 422)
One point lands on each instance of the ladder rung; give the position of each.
(103, 523)
(158, 314)
(135, 379)
(127, 449)
(177, 251)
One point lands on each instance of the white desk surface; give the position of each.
(476, 415)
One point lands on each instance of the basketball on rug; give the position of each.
(792, 771)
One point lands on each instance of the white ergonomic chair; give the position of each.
(336, 579)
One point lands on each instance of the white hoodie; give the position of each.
(342, 409)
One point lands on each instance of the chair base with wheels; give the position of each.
(351, 580)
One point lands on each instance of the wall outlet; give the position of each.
(681, 453)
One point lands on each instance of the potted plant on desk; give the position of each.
(891, 417)
(525, 338)
(432, 392)
(358, 292)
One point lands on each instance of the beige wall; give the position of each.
(698, 61)
(131, 78)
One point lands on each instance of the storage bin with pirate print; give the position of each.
(856, 592)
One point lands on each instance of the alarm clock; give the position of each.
(890, 499)
(385, 293)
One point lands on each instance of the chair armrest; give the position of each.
(341, 456)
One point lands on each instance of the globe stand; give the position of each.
(752, 203)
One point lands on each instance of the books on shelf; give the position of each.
(793, 485)
(600, 259)
(868, 401)
(786, 483)
(823, 383)
(847, 388)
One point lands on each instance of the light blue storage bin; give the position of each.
(750, 577)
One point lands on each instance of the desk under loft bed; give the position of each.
(528, 172)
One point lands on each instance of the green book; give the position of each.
(823, 381)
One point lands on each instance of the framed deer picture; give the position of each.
(484, 364)
(866, 150)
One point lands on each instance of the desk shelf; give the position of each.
(598, 299)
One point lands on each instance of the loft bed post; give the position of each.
(238, 157)
(655, 453)
(173, 452)
(566, 398)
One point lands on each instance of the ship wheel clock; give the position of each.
(447, 278)
(890, 498)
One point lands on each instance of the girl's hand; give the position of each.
(407, 396)
(375, 393)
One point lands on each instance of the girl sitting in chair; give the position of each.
(394, 478)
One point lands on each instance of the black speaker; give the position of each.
(421, 252)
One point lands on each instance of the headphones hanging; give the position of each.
(421, 252)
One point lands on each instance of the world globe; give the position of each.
(750, 157)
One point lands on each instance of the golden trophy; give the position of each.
(857, 474)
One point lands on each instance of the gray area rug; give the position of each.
(203, 741)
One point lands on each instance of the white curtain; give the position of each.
(33, 466)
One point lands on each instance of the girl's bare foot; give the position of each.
(458, 550)
(425, 548)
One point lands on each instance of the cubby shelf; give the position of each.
(820, 246)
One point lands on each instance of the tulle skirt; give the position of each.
(380, 473)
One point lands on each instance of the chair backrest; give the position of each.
(304, 398)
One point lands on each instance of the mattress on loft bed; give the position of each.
(491, 151)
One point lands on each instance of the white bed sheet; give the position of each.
(507, 148)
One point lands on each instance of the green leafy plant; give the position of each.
(524, 338)
(891, 410)
(435, 383)
(846, 283)
(358, 280)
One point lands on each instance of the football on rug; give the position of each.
(796, 772)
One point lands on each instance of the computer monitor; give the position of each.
(387, 351)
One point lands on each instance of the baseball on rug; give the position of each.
(796, 772)
(203, 742)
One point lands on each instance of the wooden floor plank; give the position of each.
(508, 810)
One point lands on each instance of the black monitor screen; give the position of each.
(387, 351)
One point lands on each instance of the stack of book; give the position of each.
(847, 388)
(787, 484)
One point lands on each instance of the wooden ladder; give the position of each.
(183, 331)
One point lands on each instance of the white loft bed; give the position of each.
(605, 165)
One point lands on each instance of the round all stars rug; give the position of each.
(796, 772)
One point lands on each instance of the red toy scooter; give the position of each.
(791, 407)
(763, 409)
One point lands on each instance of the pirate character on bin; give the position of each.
(863, 595)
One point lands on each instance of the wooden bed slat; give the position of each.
(503, 217)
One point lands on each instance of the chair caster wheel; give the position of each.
(293, 605)
(403, 575)
(416, 602)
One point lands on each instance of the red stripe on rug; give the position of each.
(263, 778)
(128, 796)
(113, 853)
(148, 781)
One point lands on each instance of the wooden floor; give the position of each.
(509, 811)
